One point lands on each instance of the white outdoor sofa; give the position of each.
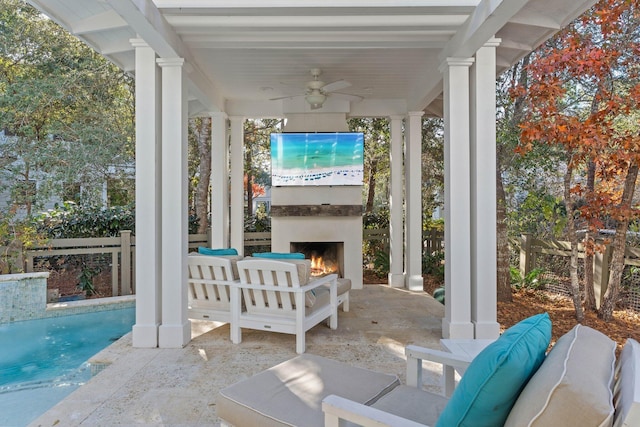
(266, 298)
(279, 296)
(578, 383)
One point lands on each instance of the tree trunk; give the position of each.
(618, 248)
(248, 160)
(204, 172)
(573, 238)
(589, 293)
(371, 190)
(503, 277)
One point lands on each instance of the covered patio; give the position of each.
(251, 59)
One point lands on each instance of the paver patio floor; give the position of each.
(178, 387)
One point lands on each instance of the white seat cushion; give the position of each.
(291, 393)
(573, 387)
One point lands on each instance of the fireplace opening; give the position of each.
(326, 257)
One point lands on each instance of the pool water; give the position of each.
(42, 361)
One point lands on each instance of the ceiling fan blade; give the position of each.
(347, 96)
(285, 97)
(337, 85)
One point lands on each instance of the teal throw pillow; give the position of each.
(493, 381)
(281, 255)
(217, 252)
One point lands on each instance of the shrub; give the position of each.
(16, 236)
(70, 220)
(433, 264)
(532, 280)
(381, 263)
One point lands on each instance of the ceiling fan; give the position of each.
(316, 91)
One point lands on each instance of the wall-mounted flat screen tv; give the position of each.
(334, 158)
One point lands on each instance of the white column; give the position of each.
(237, 184)
(219, 181)
(457, 223)
(483, 193)
(396, 221)
(413, 200)
(175, 330)
(148, 198)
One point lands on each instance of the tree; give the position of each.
(507, 123)
(432, 165)
(584, 89)
(527, 186)
(200, 168)
(67, 111)
(376, 157)
(257, 151)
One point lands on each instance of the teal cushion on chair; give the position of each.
(280, 255)
(217, 252)
(494, 379)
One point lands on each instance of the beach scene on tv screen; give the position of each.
(317, 159)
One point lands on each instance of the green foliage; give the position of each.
(433, 265)
(433, 224)
(376, 252)
(532, 280)
(85, 279)
(432, 165)
(376, 134)
(261, 219)
(539, 213)
(381, 263)
(16, 236)
(70, 220)
(67, 111)
(377, 219)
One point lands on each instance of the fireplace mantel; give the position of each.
(316, 210)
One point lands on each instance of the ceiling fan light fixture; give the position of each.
(316, 99)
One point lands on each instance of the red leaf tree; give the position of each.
(584, 98)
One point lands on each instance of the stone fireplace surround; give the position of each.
(320, 214)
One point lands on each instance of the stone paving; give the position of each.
(178, 387)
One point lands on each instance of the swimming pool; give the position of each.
(42, 361)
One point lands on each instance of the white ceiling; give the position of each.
(241, 56)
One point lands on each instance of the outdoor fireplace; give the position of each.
(326, 257)
(327, 220)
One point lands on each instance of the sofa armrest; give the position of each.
(415, 356)
(338, 408)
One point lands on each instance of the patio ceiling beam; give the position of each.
(147, 21)
(105, 21)
(534, 19)
(317, 41)
(114, 47)
(354, 23)
(294, 8)
(488, 18)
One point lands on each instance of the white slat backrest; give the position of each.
(217, 272)
(269, 273)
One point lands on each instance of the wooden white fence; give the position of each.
(121, 250)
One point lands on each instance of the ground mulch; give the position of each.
(526, 303)
(625, 323)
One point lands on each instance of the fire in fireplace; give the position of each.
(326, 257)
